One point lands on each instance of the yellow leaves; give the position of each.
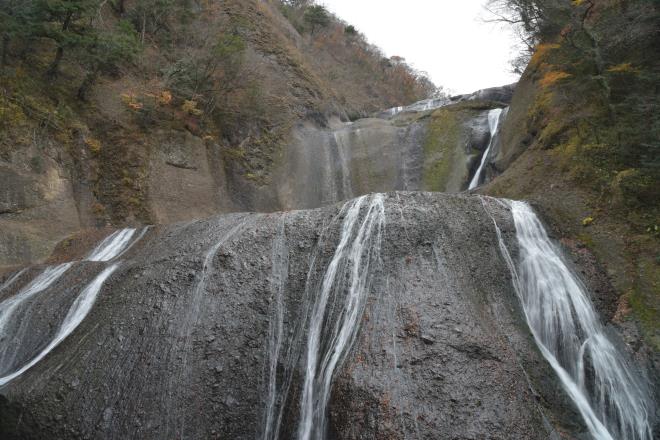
(94, 145)
(136, 101)
(165, 98)
(587, 221)
(553, 77)
(623, 68)
(190, 107)
(577, 2)
(541, 52)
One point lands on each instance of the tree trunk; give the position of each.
(5, 50)
(55, 65)
(87, 84)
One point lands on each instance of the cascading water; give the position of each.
(12, 279)
(13, 322)
(343, 154)
(610, 396)
(346, 279)
(13, 311)
(493, 124)
(77, 313)
(190, 319)
(277, 394)
(112, 246)
(39, 284)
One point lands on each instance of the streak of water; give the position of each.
(610, 396)
(77, 313)
(344, 163)
(346, 280)
(277, 394)
(493, 124)
(40, 283)
(112, 246)
(12, 279)
(178, 382)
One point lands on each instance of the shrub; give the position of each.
(350, 30)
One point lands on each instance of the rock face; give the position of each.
(205, 329)
(433, 145)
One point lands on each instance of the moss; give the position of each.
(442, 137)
(648, 317)
(587, 221)
(586, 239)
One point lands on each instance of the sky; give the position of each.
(448, 39)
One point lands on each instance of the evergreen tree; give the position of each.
(67, 22)
(316, 16)
(15, 24)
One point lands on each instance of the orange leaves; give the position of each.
(165, 98)
(541, 53)
(553, 77)
(132, 101)
(623, 68)
(136, 102)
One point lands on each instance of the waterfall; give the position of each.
(344, 163)
(493, 124)
(113, 245)
(77, 313)
(346, 280)
(11, 318)
(10, 305)
(12, 279)
(178, 383)
(277, 395)
(596, 375)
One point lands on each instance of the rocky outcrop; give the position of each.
(501, 94)
(175, 175)
(189, 333)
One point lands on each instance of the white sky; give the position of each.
(448, 39)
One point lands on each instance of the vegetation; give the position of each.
(594, 69)
(345, 45)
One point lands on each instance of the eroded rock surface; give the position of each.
(180, 341)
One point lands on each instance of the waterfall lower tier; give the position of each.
(345, 287)
(17, 313)
(388, 316)
(611, 397)
(78, 311)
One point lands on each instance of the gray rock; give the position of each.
(191, 364)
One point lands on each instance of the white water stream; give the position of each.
(113, 245)
(77, 313)
(609, 394)
(493, 124)
(12, 279)
(346, 280)
(39, 284)
(108, 249)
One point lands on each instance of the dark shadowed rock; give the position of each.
(179, 342)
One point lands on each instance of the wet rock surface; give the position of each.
(178, 343)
